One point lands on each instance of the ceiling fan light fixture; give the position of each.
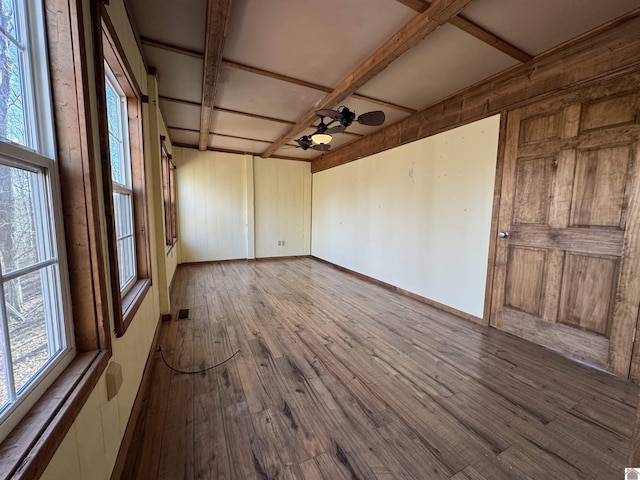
(321, 138)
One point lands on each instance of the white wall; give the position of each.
(212, 205)
(234, 206)
(425, 232)
(282, 207)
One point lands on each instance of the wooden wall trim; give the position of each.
(78, 180)
(406, 293)
(597, 56)
(495, 215)
(27, 451)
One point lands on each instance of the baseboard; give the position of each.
(283, 257)
(173, 277)
(209, 262)
(415, 296)
(231, 260)
(137, 409)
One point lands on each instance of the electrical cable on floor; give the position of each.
(194, 371)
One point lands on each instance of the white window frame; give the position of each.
(39, 157)
(127, 187)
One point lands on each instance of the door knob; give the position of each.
(503, 234)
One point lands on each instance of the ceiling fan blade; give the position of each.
(323, 147)
(304, 142)
(336, 129)
(373, 119)
(333, 114)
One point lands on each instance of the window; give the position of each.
(36, 342)
(119, 153)
(46, 181)
(169, 194)
(123, 174)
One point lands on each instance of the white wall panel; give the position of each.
(282, 207)
(212, 205)
(417, 217)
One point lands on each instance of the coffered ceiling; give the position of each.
(247, 75)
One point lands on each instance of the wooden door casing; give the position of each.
(567, 276)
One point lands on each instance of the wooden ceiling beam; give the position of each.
(179, 100)
(182, 129)
(438, 13)
(227, 110)
(417, 5)
(217, 19)
(239, 152)
(191, 130)
(384, 103)
(254, 115)
(489, 38)
(169, 47)
(235, 137)
(277, 76)
(596, 56)
(314, 86)
(476, 30)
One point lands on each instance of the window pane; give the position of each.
(8, 17)
(13, 116)
(117, 173)
(126, 259)
(113, 111)
(24, 240)
(123, 211)
(33, 315)
(123, 206)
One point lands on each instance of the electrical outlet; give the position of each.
(283, 243)
(279, 243)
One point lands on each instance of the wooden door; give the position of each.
(567, 276)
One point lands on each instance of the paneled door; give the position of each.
(567, 271)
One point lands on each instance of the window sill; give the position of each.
(131, 302)
(168, 248)
(26, 452)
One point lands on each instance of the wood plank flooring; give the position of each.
(338, 378)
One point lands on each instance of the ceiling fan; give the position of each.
(340, 119)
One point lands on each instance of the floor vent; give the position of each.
(183, 314)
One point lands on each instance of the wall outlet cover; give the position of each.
(113, 376)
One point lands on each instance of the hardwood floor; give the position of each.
(338, 378)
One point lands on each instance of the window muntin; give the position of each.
(119, 151)
(35, 334)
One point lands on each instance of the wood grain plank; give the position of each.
(368, 384)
